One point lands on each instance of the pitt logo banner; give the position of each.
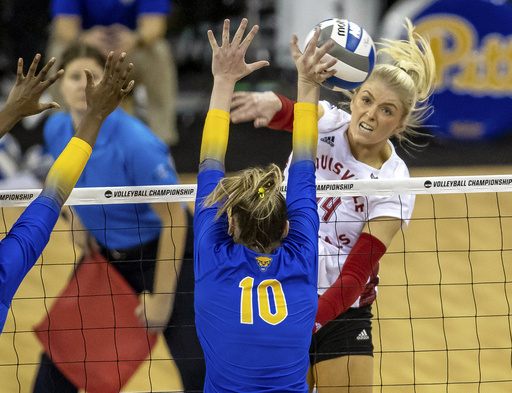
(472, 44)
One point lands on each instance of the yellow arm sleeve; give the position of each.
(67, 168)
(215, 135)
(305, 131)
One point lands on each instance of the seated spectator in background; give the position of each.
(136, 27)
(145, 242)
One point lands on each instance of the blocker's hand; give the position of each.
(310, 64)
(23, 100)
(105, 96)
(228, 59)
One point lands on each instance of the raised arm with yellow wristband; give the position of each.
(24, 243)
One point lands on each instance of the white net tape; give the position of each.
(187, 192)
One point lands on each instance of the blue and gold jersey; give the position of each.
(255, 313)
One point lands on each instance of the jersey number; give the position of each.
(329, 206)
(269, 292)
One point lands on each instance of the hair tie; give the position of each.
(261, 192)
(403, 69)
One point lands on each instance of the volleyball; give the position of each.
(354, 49)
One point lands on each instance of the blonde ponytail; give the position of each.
(411, 74)
(254, 199)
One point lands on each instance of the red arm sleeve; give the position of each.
(361, 264)
(283, 120)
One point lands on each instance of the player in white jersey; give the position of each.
(343, 218)
(355, 231)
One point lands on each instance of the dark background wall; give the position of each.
(24, 32)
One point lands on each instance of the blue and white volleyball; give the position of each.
(354, 49)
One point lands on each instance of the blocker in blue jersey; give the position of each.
(256, 253)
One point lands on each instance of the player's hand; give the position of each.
(324, 313)
(310, 64)
(105, 96)
(257, 107)
(23, 100)
(228, 60)
(154, 310)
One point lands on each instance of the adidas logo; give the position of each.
(329, 140)
(363, 336)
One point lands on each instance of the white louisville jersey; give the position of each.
(342, 218)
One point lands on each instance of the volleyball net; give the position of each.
(442, 319)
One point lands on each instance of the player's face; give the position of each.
(377, 114)
(73, 82)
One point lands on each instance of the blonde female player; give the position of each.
(21, 248)
(355, 232)
(255, 253)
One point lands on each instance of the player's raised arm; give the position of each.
(228, 66)
(30, 234)
(311, 72)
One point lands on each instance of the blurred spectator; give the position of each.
(22, 171)
(137, 27)
(23, 33)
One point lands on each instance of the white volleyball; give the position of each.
(354, 49)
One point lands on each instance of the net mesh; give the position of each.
(442, 319)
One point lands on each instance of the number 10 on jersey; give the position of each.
(268, 293)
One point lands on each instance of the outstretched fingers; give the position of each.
(246, 42)
(324, 68)
(126, 73)
(225, 33)
(41, 76)
(118, 69)
(33, 66)
(55, 77)
(228, 60)
(213, 41)
(311, 46)
(327, 71)
(88, 77)
(107, 71)
(121, 75)
(49, 105)
(250, 37)
(312, 64)
(257, 65)
(240, 32)
(44, 71)
(128, 88)
(296, 52)
(19, 71)
(324, 49)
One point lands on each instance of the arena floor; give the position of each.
(431, 325)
